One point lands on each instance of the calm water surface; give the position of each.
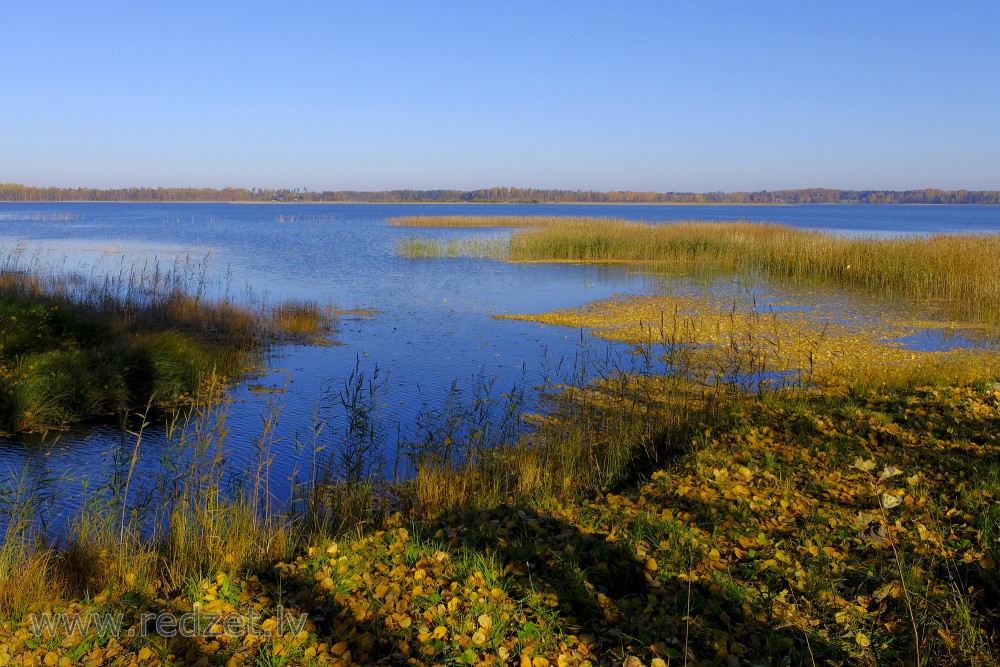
(433, 333)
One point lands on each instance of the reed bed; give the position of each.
(957, 270)
(962, 270)
(498, 221)
(622, 241)
(302, 321)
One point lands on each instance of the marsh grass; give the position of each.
(207, 526)
(957, 271)
(135, 535)
(741, 348)
(595, 427)
(75, 348)
(26, 561)
(298, 317)
(345, 486)
(303, 321)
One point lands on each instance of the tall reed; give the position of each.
(961, 270)
(601, 417)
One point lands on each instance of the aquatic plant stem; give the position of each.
(131, 468)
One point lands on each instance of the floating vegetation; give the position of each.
(282, 218)
(54, 216)
(723, 342)
(356, 313)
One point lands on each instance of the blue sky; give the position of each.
(666, 96)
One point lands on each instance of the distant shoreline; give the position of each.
(490, 203)
(16, 192)
(438, 203)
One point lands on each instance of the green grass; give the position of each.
(73, 349)
(60, 365)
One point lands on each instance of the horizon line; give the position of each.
(4, 186)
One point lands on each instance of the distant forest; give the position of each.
(13, 193)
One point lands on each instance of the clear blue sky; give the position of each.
(666, 96)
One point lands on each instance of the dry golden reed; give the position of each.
(949, 267)
(961, 270)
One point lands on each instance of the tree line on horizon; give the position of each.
(13, 192)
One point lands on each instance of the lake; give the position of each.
(432, 336)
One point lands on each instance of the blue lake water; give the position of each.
(433, 335)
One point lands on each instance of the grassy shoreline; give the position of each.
(74, 349)
(644, 519)
(791, 526)
(702, 507)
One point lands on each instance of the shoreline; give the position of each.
(501, 203)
